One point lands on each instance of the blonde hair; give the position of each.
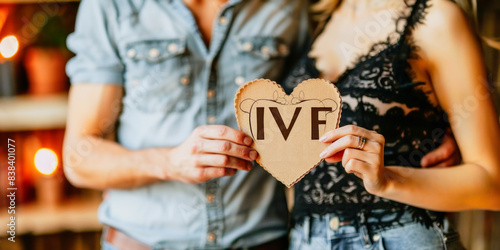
(323, 9)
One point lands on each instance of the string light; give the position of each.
(9, 46)
(46, 161)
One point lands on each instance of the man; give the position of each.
(178, 175)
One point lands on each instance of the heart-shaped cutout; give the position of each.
(286, 128)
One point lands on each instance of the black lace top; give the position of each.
(411, 124)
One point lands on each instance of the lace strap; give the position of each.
(417, 15)
(406, 46)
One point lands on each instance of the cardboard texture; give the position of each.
(286, 128)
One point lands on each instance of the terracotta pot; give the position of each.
(45, 68)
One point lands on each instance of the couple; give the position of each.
(151, 120)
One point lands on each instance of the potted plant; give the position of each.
(46, 57)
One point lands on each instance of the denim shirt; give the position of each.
(173, 83)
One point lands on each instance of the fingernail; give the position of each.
(248, 141)
(250, 166)
(322, 139)
(252, 155)
(322, 155)
(423, 163)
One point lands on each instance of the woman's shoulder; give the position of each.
(444, 17)
(444, 14)
(445, 22)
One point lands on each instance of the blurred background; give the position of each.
(50, 213)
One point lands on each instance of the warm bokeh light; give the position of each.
(4, 12)
(46, 161)
(9, 46)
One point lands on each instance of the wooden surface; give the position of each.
(70, 215)
(23, 113)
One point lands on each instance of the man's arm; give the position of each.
(92, 161)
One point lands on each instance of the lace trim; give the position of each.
(416, 16)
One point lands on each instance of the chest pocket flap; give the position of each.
(265, 47)
(156, 50)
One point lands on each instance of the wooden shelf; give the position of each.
(24, 113)
(71, 215)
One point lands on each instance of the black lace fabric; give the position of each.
(411, 123)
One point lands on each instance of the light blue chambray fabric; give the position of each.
(154, 50)
(316, 232)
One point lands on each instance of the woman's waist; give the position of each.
(374, 220)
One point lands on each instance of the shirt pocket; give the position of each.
(158, 75)
(259, 57)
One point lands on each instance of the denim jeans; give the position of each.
(316, 233)
(106, 246)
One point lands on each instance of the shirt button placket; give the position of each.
(212, 190)
(222, 20)
(211, 102)
(211, 119)
(214, 212)
(211, 237)
(213, 193)
(211, 94)
(210, 198)
(184, 80)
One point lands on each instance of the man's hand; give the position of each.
(446, 155)
(92, 161)
(210, 152)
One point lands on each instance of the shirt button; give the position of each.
(239, 80)
(210, 198)
(283, 49)
(265, 50)
(135, 82)
(154, 53)
(211, 237)
(131, 53)
(247, 46)
(211, 119)
(211, 94)
(334, 223)
(184, 80)
(376, 237)
(223, 20)
(172, 48)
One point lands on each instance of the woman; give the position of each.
(407, 71)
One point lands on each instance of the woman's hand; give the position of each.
(362, 157)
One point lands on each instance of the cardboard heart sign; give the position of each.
(286, 128)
